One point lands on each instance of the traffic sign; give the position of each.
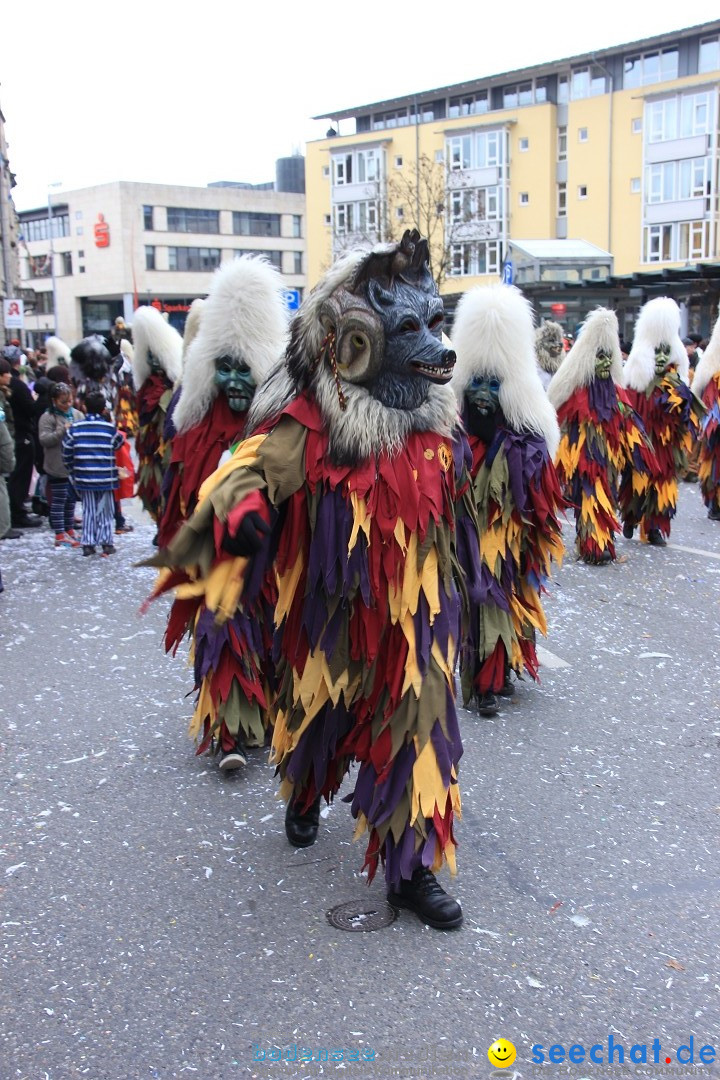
(292, 299)
(507, 272)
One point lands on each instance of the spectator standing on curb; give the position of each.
(52, 429)
(7, 463)
(88, 452)
(24, 411)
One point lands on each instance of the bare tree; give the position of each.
(421, 191)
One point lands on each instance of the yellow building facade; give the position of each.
(618, 149)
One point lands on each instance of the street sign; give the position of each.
(14, 314)
(507, 272)
(292, 299)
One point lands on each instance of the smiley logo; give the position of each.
(501, 1054)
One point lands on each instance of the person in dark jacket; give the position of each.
(24, 412)
(88, 452)
(52, 429)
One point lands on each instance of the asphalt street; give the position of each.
(156, 924)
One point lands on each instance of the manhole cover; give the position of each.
(359, 917)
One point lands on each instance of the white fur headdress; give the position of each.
(493, 335)
(244, 317)
(599, 331)
(152, 334)
(658, 324)
(192, 324)
(709, 363)
(57, 351)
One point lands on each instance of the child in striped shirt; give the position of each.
(89, 455)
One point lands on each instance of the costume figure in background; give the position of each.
(357, 471)
(91, 371)
(57, 353)
(126, 413)
(242, 334)
(513, 436)
(549, 350)
(192, 325)
(656, 375)
(602, 439)
(156, 367)
(706, 385)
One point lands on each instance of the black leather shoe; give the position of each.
(488, 705)
(656, 538)
(302, 829)
(628, 530)
(11, 534)
(714, 513)
(508, 687)
(423, 895)
(27, 521)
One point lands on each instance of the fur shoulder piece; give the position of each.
(152, 334)
(244, 317)
(709, 363)
(57, 351)
(658, 324)
(192, 324)
(599, 331)
(494, 336)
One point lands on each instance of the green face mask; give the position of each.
(603, 364)
(662, 358)
(234, 379)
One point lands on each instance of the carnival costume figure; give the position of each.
(91, 370)
(706, 385)
(656, 378)
(513, 435)
(549, 350)
(238, 336)
(354, 484)
(156, 366)
(126, 413)
(604, 455)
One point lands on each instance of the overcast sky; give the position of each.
(188, 93)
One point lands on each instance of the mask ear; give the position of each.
(359, 337)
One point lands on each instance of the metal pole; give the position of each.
(52, 266)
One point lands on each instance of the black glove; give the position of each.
(249, 538)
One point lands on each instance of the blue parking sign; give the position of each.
(292, 299)
(507, 272)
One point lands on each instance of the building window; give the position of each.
(399, 213)
(66, 263)
(709, 57)
(563, 90)
(658, 243)
(78, 215)
(192, 220)
(37, 228)
(473, 259)
(587, 82)
(251, 224)
(193, 258)
(519, 94)
(635, 185)
(148, 218)
(693, 240)
(78, 230)
(326, 171)
(359, 167)
(636, 125)
(562, 200)
(480, 150)
(81, 269)
(670, 180)
(297, 226)
(523, 145)
(327, 220)
(562, 144)
(475, 204)
(582, 134)
(149, 257)
(403, 117)
(398, 162)
(524, 198)
(297, 262)
(471, 105)
(273, 257)
(653, 67)
(582, 191)
(439, 156)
